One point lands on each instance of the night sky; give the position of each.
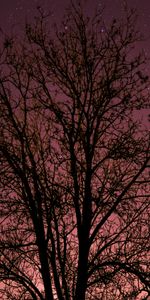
(14, 12)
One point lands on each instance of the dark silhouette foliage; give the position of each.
(74, 156)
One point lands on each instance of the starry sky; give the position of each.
(13, 13)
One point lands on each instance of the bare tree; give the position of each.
(74, 162)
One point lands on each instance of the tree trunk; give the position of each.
(45, 272)
(46, 275)
(82, 269)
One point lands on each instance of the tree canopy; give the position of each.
(74, 156)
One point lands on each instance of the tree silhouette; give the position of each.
(74, 161)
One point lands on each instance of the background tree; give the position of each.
(74, 162)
